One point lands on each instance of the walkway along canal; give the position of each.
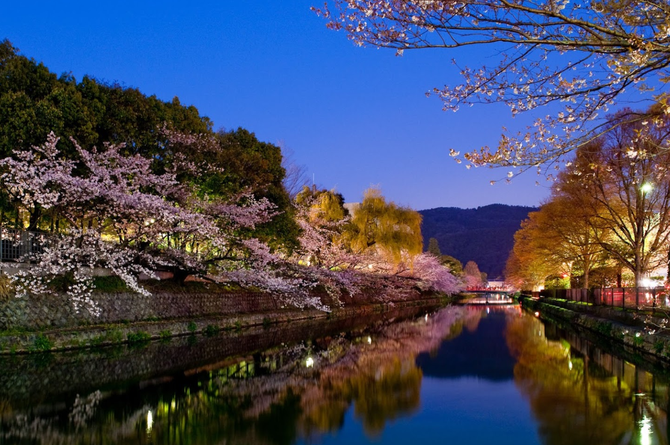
(462, 374)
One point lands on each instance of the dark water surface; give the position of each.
(461, 375)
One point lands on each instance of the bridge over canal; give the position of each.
(488, 296)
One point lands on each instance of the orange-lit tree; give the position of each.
(626, 174)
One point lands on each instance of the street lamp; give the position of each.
(646, 187)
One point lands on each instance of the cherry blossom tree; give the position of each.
(576, 59)
(434, 274)
(110, 210)
(323, 218)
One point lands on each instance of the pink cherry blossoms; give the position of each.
(112, 211)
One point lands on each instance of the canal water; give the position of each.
(460, 375)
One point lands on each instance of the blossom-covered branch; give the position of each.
(580, 56)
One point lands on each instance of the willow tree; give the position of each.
(383, 227)
(574, 58)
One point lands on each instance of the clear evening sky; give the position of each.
(354, 116)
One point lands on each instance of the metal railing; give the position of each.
(16, 244)
(639, 298)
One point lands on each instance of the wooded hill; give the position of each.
(484, 235)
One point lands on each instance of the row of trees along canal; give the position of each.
(608, 212)
(163, 191)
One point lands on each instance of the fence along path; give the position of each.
(640, 298)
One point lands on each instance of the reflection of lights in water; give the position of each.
(645, 431)
(369, 340)
(488, 310)
(570, 365)
(539, 333)
(174, 404)
(426, 318)
(150, 421)
(310, 362)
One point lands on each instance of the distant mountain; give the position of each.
(484, 235)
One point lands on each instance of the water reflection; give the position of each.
(270, 396)
(476, 350)
(580, 394)
(461, 375)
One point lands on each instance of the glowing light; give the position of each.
(150, 421)
(369, 340)
(310, 362)
(646, 187)
(426, 318)
(488, 310)
(637, 334)
(174, 404)
(647, 282)
(537, 314)
(645, 431)
(570, 365)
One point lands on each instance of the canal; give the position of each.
(460, 375)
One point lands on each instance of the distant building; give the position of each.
(351, 207)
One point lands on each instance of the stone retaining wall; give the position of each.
(57, 311)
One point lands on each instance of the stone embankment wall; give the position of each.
(58, 311)
(189, 302)
(52, 322)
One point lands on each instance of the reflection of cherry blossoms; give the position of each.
(376, 373)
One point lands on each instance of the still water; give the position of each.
(460, 375)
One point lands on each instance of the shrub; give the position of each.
(138, 337)
(659, 345)
(42, 343)
(211, 330)
(109, 284)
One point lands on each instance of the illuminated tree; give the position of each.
(117, 213)
(626, 173)
(434, 248)
(473, 276)
(578, 57)
(527, 267)
(391, 231)
(565, 234)
(322, 218)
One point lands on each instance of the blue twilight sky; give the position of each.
(354, 116)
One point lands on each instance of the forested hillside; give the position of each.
(484, 235)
